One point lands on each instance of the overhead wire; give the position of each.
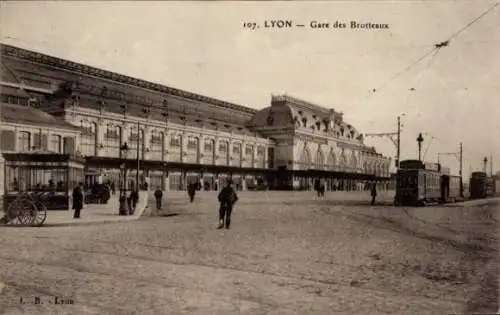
(435, 49)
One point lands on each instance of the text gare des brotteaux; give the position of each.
(318, 24)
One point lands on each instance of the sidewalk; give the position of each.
(96, 213)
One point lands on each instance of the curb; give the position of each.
(136, 216)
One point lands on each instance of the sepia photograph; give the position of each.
(250, 157)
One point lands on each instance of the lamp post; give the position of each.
(123, 210)
(420, 139)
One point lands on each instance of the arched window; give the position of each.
(305, 160)
(136, 137)
(354, 160)
(56, 143)
(88, 138)
(236, 154)
(249, 156)
(319, 160)
(24, 141)
(224, 152)
(112, 139)
(343, 159)
(174, 150)
(192, 150)
(261, 157)
(156, 145)
(209, 151)
(332, 160)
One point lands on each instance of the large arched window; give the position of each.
(24, 141)
(332, 160)
(236, 154)
(156, 145)
(56, 143)
(174, 148)
(319, 160)
(88, 138)
(112, 139)
(192, 150)
(209, 151)
(343, 159)
(354, 160)
(136, 137)
(224, 152)
(249, 156)
(305, 160)
(261, 156)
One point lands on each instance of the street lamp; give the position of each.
(420, 139)
(123, 210)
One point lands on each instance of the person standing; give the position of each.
(77, 200)
(374, 192)
(227, 198)
(158, 197)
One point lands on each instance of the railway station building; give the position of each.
(174, 136)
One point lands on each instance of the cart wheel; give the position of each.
(27, 212)
(41, 215)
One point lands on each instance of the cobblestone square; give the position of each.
(286, 253)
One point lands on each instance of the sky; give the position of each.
(451, 95)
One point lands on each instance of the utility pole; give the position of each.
(395, 138)
(138, 159)
(460, 172)
(398, 150)
(420, 139)
(491, 165)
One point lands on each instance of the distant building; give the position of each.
(179, 136)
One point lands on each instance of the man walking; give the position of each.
(158, 197)
(374, 192)
(227, 198)
(191, 189)
(77, 200)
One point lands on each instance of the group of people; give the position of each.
(319, 188)
(227, 198)
(103, 191)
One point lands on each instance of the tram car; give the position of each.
(419, 183)
(481, 186)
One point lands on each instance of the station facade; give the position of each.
(174, 136)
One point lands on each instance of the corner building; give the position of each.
(175, 136)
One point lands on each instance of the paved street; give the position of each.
(285, 254)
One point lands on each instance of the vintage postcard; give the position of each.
(249, 157)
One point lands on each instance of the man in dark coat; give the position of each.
(77, 200)
(191, 190)
(227, 198)
(158, 197)
(374, 192)
(134, 196)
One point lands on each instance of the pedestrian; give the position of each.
(77, 200)
(134, 196)
(158, 197)
(227, 198)
(191, 189)
(374, 192)
(322, 188)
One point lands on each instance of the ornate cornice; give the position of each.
(23, 54)
(290, 100)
